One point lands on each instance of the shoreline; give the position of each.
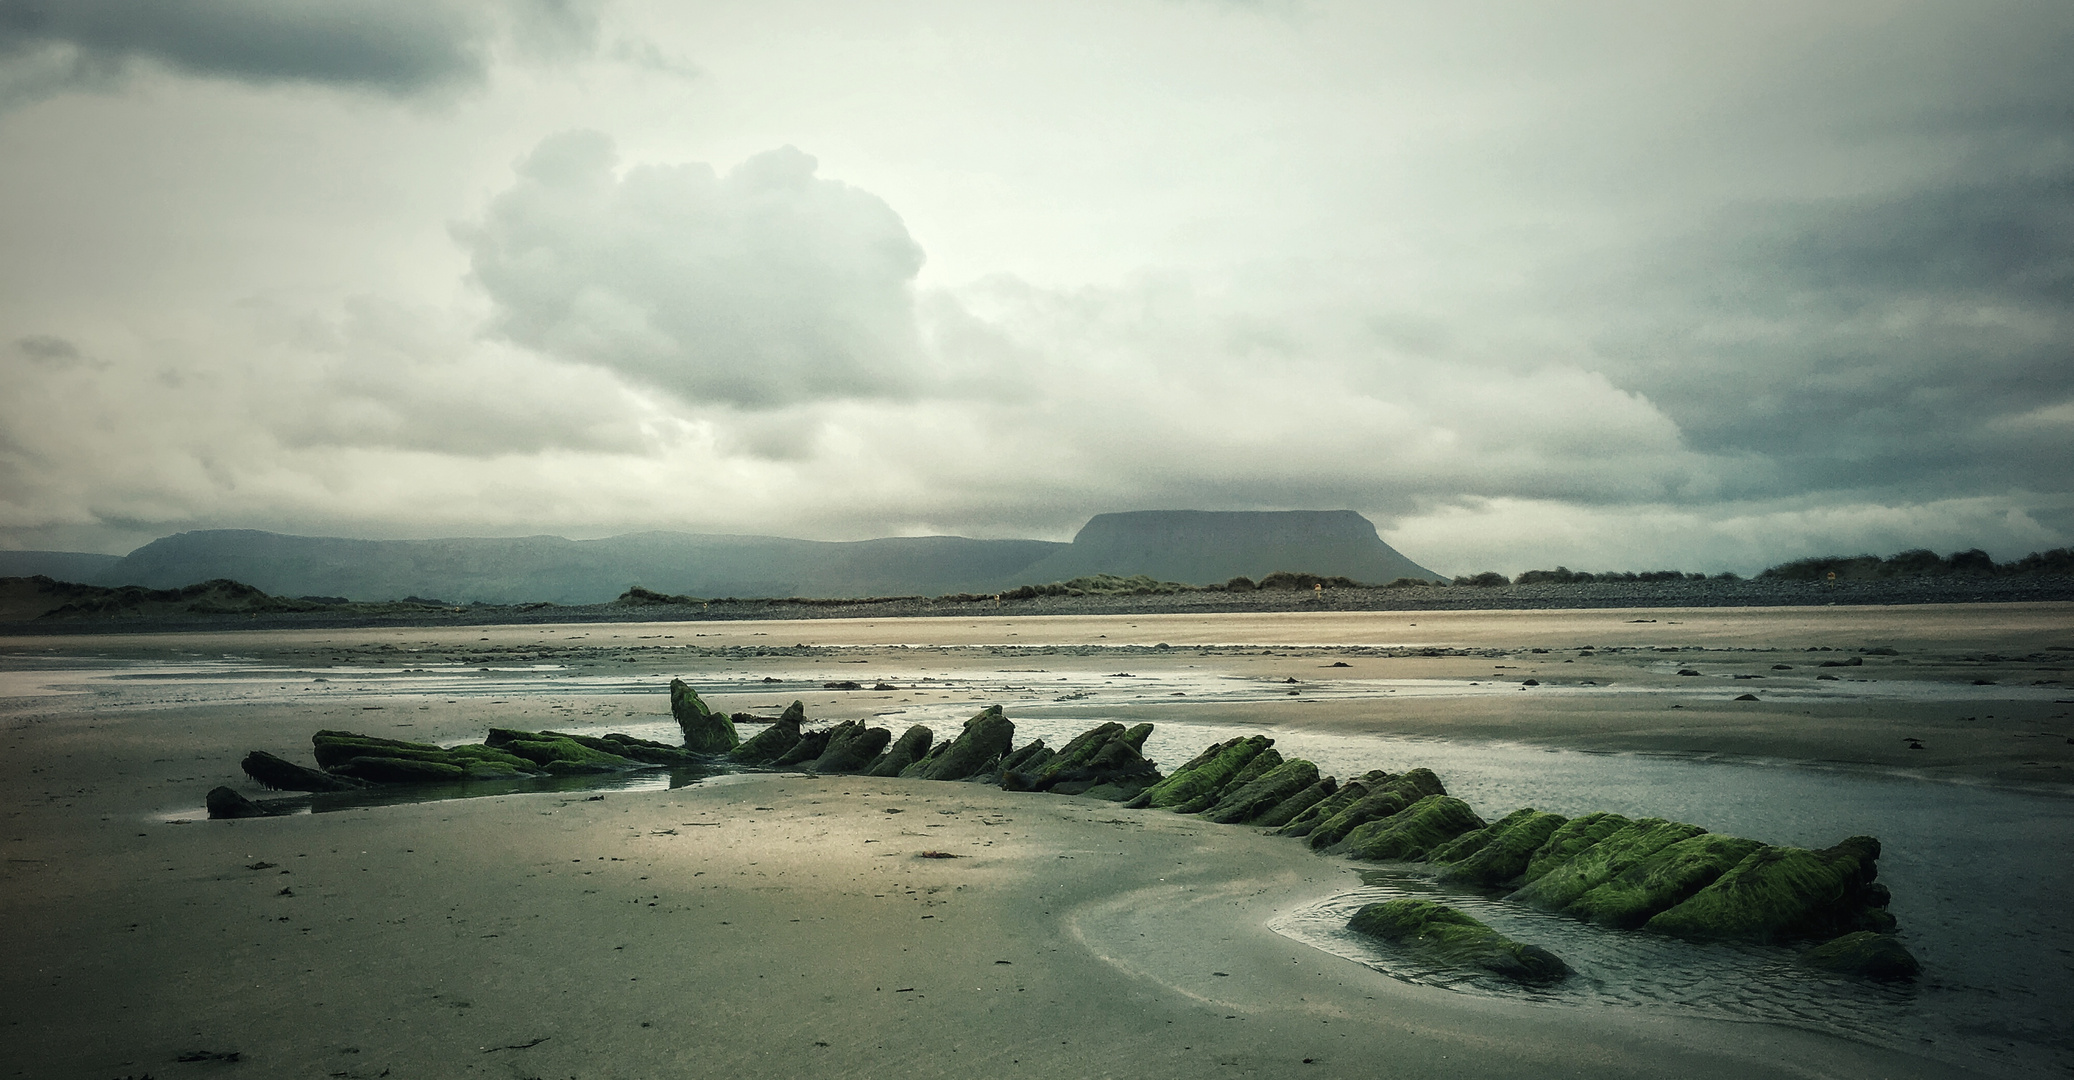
(1542, 596)
(653, 932)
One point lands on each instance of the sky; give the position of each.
(1611, 285)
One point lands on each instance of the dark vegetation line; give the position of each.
(40, 605)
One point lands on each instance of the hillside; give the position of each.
(1195, 547)
(1203, 547)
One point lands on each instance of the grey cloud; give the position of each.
(45, 349)
(1865, 343)
(762, 287)
(398, 47)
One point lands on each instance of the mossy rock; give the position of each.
(1865, 954)
(1283, 812)
(1508, 853)
(705, 731)
(1266, 791)
(1473, 841)
(1135, 736)
(1596, 865)
(772, 742)
(852, 747)
(1268, 759)
(1661, 881)
(1380, 803)
(1440, 934)
(1208, 777)
(1350, 792)
(1413, 831)
(1576, 836)
(985, 739)
(911, 747)
(1778, 893)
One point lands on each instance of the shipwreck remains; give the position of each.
(1651, 874)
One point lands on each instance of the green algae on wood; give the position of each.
(1562, 884)
(1308, 819)
(1507, 854)
(705, 731)
(852, 747)
(772, 742)
(1440, 934)
(911, 747)
(1778, 893)
(1866, 954)
(1381, 802)
(1263, 793)
(1285, 811)
(985, 739)
(1254, 769)
(1412, 832)
(1576, 836)
(1660, 881)
(1473, 841)
(1208, 776)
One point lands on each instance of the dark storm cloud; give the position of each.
(763, 287)
(1890, 341)
(398, 47)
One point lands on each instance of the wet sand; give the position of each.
(789, 926)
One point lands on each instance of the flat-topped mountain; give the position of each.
(1196, 547)
(1202, 547)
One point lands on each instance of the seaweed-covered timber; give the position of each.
(1663, 876)
(1444, 935)
(705, 731)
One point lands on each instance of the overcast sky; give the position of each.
(1612, 285)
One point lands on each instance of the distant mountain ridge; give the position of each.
(1198, 547)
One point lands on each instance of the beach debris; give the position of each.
(1661, 881)
(1746, 697)
(1285, 811)
(1412, 832)
(911, 747)
(1311, 816)
(1777, 894)
(1440, 934)
(1263, 793)
(705, 731)
(283, 775)
(774, 741)
(224, 802)
(937, 855)
(1205, 775)
(1502, 853)
(211, 1055)
(1383, 800)
(852, 747)
(1864, 953)
(1555, 887)
(986, 738)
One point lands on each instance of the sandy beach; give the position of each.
(784, 925)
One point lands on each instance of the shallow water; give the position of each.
(1980, 876)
